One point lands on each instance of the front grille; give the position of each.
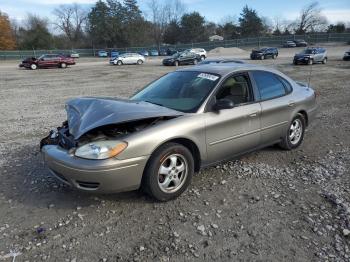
(65, 140)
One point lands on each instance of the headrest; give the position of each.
(238, 89)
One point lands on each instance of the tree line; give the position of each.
(121, 23)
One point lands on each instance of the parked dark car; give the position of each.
(346, 56)
(153, 52)
(114, 53)
(289, 44)
(144, 53)
(184, 58)
(263, 53)
(163, 52)
(47, 61)
(301, 43)
(310, 56)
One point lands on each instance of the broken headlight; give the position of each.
(101, 149)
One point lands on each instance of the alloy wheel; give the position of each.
(172, 173)
(295, 131)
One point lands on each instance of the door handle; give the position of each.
(291, 103)
(253, 114)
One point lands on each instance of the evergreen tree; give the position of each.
(250, 23)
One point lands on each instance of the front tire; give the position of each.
(168, 172)
(139, 62)
(202, 57)
(262, 57)
(324, 60)
(33, 66)
(195, 62)
(176, 63)
(311, 61)
(295, 134)
(63, 65)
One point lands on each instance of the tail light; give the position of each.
(316, 94)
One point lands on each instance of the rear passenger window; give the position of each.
(269, 85)
(286, 84)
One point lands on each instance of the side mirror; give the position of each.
(223, 104)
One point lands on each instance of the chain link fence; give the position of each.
(273, 41)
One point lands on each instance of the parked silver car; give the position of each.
(185, 120)
(310, 56)
(127, 59)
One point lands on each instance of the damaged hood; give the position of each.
(87, 113)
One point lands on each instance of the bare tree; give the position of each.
(161, 14)
(70, 19)
(310, 19)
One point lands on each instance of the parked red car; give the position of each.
(47, 61)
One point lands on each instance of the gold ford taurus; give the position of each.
(185, 120)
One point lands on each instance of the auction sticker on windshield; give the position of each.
(208, 76)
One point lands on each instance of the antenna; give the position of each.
(310, 74)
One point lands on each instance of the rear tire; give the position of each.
(63, 65)
(295, 133)
(310, 62)
(33, 66)
(195, 62)
(168, 172)
(324, 60)
(176, 63)
(139, 62)
(202, 57)
(119, 63)
(273, 56)
(262, 57)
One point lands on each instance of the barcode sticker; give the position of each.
(208, 76)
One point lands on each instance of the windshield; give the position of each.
(176, 55)
(307, 51)
(183, 91)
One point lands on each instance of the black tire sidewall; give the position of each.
(150, 176)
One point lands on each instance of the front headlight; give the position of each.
(101, 149)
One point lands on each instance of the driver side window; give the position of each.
(237, 89)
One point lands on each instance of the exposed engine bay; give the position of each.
(61, 136)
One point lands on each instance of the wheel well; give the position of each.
(304, 114)
(190, 145)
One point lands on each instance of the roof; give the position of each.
(224, 69)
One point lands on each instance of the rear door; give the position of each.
(276, 105)
(230, 132)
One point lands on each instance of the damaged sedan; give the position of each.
(176, 125)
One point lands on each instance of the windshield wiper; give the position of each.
(153, 103)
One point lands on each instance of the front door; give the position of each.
(230, 132)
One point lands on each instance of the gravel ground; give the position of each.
(272, 205)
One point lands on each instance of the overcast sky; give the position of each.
(213, 10)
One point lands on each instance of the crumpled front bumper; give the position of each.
(102, 176)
